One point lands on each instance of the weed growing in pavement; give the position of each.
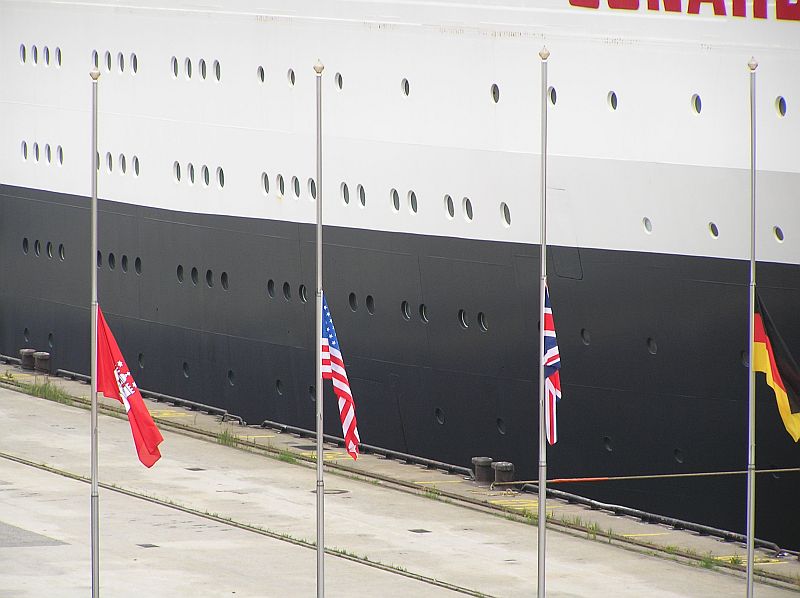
(287, 457)
(735, 560)
(48, 390)
(708, 561)
(432, 493)
(591, 531)
(225, 438)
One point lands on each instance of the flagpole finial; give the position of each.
(94, 74)
(752, 64)
(319, 67)
(544, 53)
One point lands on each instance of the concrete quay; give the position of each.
(212, 520)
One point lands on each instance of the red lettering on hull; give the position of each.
(785, 10)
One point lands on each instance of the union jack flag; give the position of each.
(333, 369)
(552, 363)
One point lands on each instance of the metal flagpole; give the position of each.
(318, 68)
(543, 54)
(95, 75)
(751, 403)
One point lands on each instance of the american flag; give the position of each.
(333, 369)
(552, 363)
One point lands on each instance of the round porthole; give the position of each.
(697, 103)
(647, 224)
(344, 192)
(271, 288)
(439, 415)
(405, 309)
(405, 87)
(778, 232)
(209, 278)
(482, 321)
(370, 304)
(423, 313)
(586, 338)
(780, 105)
(287, 291)
(713, 230)
(185, 370)
(501, 426)
(612, 100)
(395, 197)
(195, 276)
(353, 301)
(462, 318)
(495, 91)
(449, 207)
(551, 93)
(652, 347)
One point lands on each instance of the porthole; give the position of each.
(112, 261)
(210, 278)
(35, 54)
(97, 161)
(46, 56)
(312, 188)
(303, 293)
(505, 214)
(185, 370)
(612, 100)
(495, 93)
(187, 67)
(586, 338)
(141, 361)
(190, 171)
(648, 225)
(778, 232)
(26, 334)
(99, 259)
(35, 151)
(780, 105)
(59, 155)
(121, 62)
(134, 64)
(607, 444)
(176, 171)
(745, 359)
(195, 276)
(223, 280)
(123, 164)
(47, 153)
(482, 321)
(712, 228)
(439, 415)
(260, 73)
(290, 77)
(296, 187)
(58, 57)
(652, 347)
(338, 79)
(501, 426)
(110, 162)
(395, 197)
(136, 165)
(203, 69)
(265, 183)
(108, 61)
(370, 305)
(353, 301)
(62, 253)
(362, 196)
(462, 318)
(344, 192)
(220, 177)
(37, 247)
(180, 273)
(412, 202)
(25, 245)
(95, 59)
(137, 265)
(423, 312)
(24, 148)
(467, 204)
(697, 103)
(217, 70)
(405, 87)
(231, 377)
(206, 176)
(312, 394)
(678, 455)
(287, 291)
(279, 386)
(49, 250)
(174, 67)
(405, 309)
(271, 288)
(124, 263)
(281, 186)
(23, 54)
(551, 93)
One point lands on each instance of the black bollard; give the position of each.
(41, 362)
(26, 358)
(482, 467)
(503, 471)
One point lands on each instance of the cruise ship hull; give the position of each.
(653, 345)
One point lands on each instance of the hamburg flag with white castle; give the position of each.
(333, 369)
(552, 363)
(114, 380)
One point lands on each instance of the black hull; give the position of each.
(626, 410)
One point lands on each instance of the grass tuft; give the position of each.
(287, 457)
(225, 438)
(48, 390)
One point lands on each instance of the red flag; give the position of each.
(114, 380)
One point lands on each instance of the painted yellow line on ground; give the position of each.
(249, 436)
(327, 455)
(759, 560)
(645, 535)
(441, 482)
(168, 413)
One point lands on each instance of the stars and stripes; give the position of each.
(333, 369)
(552, 364)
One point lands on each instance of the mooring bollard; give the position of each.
(41, 362)
(26, 358)
(503, 471)
(483, 471)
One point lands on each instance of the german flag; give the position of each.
(772, 356)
